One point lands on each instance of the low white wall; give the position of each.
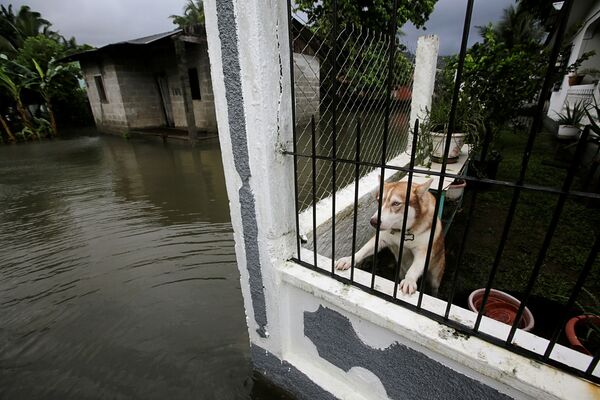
(380, 324)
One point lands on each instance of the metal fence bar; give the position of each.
(355, 215)
(534, 188)
(587, 267)
(390, 79)
(294, 134)
(314, 187)
(461, 253)
(562, 199)
(535, 126)
(406, 207)
(451, 123)
(335, 85)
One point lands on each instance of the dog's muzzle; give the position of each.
(374, 222)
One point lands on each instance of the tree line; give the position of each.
(39, 94)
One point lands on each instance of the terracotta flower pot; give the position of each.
(572, 334)
(575, 80)
(402, 93)
(501, 307)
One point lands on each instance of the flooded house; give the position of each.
(161, 84)
(158, 81)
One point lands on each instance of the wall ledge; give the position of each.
(510, 373)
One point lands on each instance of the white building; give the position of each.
(585, 22)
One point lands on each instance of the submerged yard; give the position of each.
(569, 247)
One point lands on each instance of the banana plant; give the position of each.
(45, 84)
(14, 83)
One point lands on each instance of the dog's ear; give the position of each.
(424, 187)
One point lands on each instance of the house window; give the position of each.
(100, 88)
(194, 84)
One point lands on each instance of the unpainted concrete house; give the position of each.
(163, 81)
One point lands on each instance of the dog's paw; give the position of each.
(408, 286)
(343, 263)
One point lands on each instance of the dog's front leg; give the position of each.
(365, 251)
(408, 285)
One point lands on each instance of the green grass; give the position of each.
(569, 247)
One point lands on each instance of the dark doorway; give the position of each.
(165, 98)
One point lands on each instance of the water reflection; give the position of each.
(117, 273)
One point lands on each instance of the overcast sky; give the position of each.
(447, 20)
(99, 22)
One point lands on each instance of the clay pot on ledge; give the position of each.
(502, 307)
(575, 80)
(438, 140)
(456, 189)
(583, 333)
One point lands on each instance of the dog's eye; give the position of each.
(396, 204)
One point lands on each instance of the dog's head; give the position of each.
(394, 202)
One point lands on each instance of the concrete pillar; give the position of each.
(424, 77)
(247, 45)
(188, 104)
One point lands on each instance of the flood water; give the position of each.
(117, 274)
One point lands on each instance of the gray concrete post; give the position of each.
(188, 104)
(248, 48)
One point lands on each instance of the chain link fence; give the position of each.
(355, 73)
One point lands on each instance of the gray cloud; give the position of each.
(447, 20)
(99, 22)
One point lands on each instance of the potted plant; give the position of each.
(575, 77)
(594, 73)
(502, 307)
(570, 120)
(583, 333)
(467, 123)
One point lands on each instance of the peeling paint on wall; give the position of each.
(404, 373)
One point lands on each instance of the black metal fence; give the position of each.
(517, 187)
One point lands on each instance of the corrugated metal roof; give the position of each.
(147, 39)
(136, 42)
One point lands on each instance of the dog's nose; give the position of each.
(374, 222)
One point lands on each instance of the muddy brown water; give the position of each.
(117, 274)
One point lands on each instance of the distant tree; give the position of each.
(42, 49)
(517, 27)
(372, 14)
(503, 73)
(14, 78)
(16, 28)
(193, 16)
(47, 82)
(30, 74)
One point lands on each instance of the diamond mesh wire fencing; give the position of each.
(354, 73)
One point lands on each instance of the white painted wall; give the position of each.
(557, 99)
(263, 41)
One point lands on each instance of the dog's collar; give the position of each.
(407, 236)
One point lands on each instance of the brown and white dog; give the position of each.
(418, 230)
